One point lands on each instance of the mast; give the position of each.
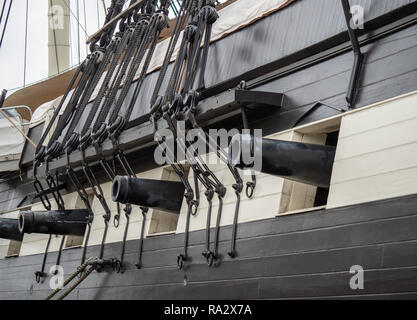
(58, 36)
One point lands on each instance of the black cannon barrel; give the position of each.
(60, 222)
(158, 194)
(9, 229)
(302, 162)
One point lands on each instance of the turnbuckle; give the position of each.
(238, 187)
(182, 258)
(208, 254)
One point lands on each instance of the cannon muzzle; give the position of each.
(157, 194)
(60, 222)
(9, 229)
(302, 162)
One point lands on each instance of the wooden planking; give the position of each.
(234, 56)
(386, 185)
(379, 161)
(337, 284)
(397, 87)
(383, 243)
(374, 140)
(306, 7)
(317, 285)
(358, 123)
(393, 159)
(405, 207)
(378, 90)
(337, 260)
(4, 247)
(13, 192)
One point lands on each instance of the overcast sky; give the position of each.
(12, 50)
(12, 57)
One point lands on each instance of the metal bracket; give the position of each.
(229, 104)
(259, 100)
(352, 91)
(315, 106)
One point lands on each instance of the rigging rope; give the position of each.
(75, 17)
(2, 11)
(6, 21)
(26, 42)
(78, 31)
(132, 40)
(124, 55)
(89, 77)
(179, 103)
(79, 270)
(85, 25)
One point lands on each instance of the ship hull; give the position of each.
(302, 256)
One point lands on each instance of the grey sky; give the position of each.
(12, 50)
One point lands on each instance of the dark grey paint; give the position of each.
(301, 256)
(232, 56)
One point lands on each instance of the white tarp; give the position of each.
(235, 16)
(231, 18)
(11, 140)
(47, 109)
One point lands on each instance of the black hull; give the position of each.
(292, 257)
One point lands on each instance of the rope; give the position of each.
(78, 31)
(70, 278)
(120, 44)
(98, 15)
(26, 42)
(104, 7)
(5, 23)
(75, 17)
(85, 25)
(76, 284)
(2, 10)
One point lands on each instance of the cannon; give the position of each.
(9, 229)
(59, 222)
(157, 194)
(302, 162)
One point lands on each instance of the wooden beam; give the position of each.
(113, 21)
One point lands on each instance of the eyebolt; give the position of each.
(194, 208)
(118, 266)
(116, 221)
(180, 261)
(210, 258)
(250, 189)
(39, 275)
(232, 254)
